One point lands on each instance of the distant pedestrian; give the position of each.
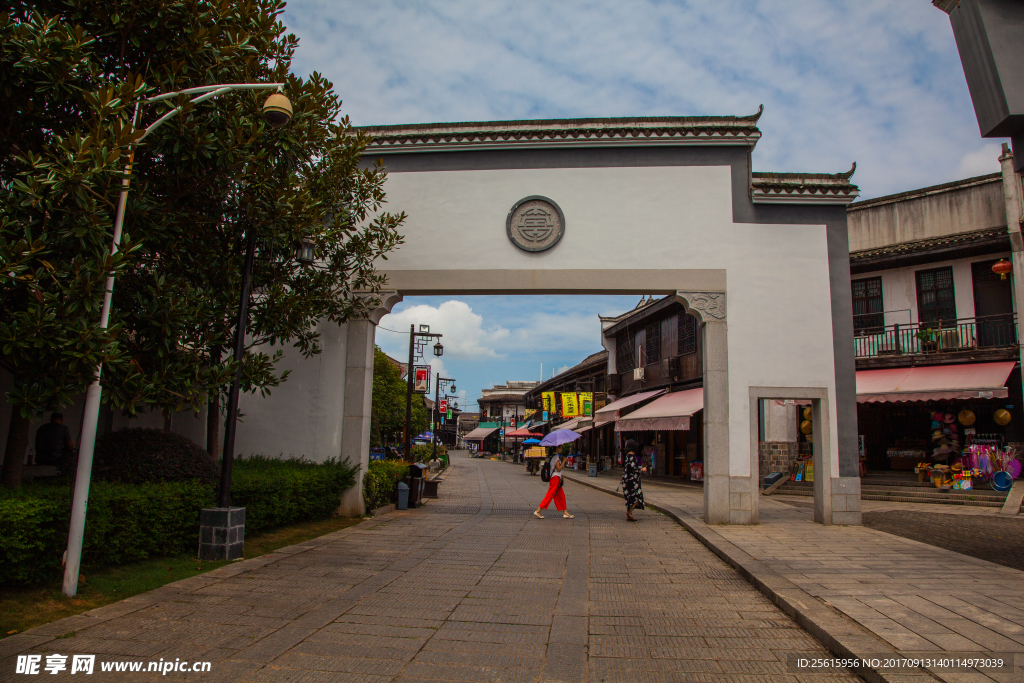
(53, 441)
(631, 489)
(555, 492)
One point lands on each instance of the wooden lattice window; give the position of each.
(936, 299)
(653, 347)
(867, 304)
(687, 334)
(625, 360)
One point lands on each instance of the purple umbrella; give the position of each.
(559, 437)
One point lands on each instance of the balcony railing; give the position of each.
(939, 336)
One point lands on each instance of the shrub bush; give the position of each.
(380, 480)
(276, 491)
(426, 453)
(131, 522)
(136, 456)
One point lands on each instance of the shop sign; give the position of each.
(986, 394)
(570, 405)
(545, 416)
(443, 406)
(421, 379)
(586, 403)
(530, 412)
(449, 413)
(548, 397)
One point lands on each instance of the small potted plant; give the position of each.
(929, 339)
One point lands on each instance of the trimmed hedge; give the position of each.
(380, 480)
(136, 456)
(132, 522)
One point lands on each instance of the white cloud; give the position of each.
(464, 333)
(981, 161)
(875, 81)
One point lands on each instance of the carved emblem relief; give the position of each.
(535, 224)
(710, 305)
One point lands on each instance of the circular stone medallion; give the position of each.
(535, 223)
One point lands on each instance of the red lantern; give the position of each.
(1002, 267)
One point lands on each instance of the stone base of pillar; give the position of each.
(221, 533)
(846, 500)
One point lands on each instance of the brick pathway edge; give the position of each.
(843, 637)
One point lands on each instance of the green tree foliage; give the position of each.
(64, 134)
(387, 416)
(200, 184)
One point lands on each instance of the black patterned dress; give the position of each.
(631, 483)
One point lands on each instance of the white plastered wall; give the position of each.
(779, 308)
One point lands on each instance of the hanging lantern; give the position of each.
(1002, 266)
(808, 413)
(438, 349)
(806, 427)
(306, 253)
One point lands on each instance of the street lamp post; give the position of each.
(276, 109)
(425, 334)
(437, 395)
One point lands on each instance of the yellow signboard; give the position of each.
(586, 403)
(570, 405)
(548, 397)
(530, 412)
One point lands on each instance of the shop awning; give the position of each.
(610, 412)
(934, 383)
(571, 424)
(669, 412)
(524, 433)
(479, 434)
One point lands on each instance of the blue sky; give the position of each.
(878, 82)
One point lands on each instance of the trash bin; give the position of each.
(592, 469)
(416, 477)
(403, 496)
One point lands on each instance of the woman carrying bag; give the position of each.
(631, 489)
(555, 492)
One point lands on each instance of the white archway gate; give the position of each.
(648, 206)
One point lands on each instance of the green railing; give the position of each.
(939, 336)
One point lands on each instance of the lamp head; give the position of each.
(277, 110)
(438, 349)
(306, 252)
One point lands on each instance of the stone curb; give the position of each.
(841, 635)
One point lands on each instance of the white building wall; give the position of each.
(899, 288)
(642, 218)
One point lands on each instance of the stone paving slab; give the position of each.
(468, 588)
(908, 596)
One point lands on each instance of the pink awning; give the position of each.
(670, 412)
(610, 412)
(934, 383)
(524, 432)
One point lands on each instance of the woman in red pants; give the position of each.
(555, 492)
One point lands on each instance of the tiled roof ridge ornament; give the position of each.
(753, 118)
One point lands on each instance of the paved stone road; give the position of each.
(469, 588)
(912, 597)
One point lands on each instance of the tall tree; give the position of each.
(64, 133)
(387, 416)
(216, 173)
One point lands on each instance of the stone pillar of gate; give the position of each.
(355, 435)
(727, 499)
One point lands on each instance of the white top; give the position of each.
(554, 471)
